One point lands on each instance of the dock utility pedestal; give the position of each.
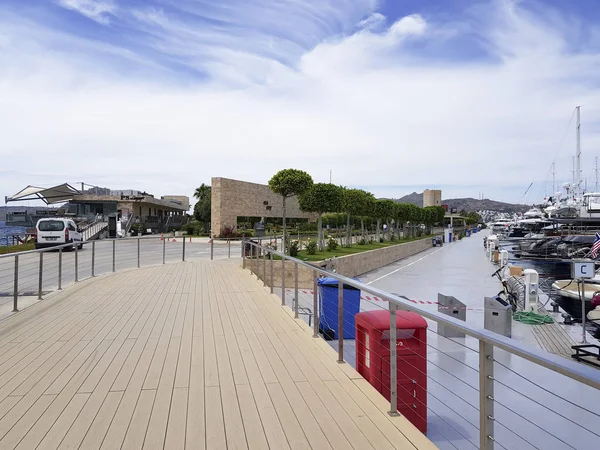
(497, 316)
(373, 359)
(452, 307)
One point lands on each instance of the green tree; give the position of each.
(321, 198)
(288, 183)
(402, 214)
(356, 203)
(202, 207)
(384, 210)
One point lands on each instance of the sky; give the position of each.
(393, 96)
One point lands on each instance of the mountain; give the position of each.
(468, 204)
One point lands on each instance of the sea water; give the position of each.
(6, 233)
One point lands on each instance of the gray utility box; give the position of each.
(452, 307)
(497, 316)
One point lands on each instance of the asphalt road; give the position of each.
(151, 253)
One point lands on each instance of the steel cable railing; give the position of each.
(488, 342)
(34, 273)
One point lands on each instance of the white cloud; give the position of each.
(373, 22)
(97, 10)
(370, 106)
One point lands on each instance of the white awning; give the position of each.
(57, 194)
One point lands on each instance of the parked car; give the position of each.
(55, 231)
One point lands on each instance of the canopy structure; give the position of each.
(57, 194)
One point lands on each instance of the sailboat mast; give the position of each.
(596, 174)
(578, 154)
(554, 178)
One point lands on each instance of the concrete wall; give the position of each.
(350, 266)
(233, 198)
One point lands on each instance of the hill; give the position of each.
(468, 204)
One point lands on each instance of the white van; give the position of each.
(53, 231)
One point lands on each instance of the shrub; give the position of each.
(393, 238)
(381, 240)
(293, 248)
(363, 241)
(332, 245)
(311, 247)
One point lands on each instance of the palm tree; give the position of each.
(203, 192)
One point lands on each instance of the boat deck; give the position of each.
(187, 355)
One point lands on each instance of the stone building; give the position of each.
(432, 197)
(234, 198)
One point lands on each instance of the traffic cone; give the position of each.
(162, 237)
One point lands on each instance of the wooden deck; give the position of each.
(192, 355)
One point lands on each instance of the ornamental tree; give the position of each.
(288, 183)
(321, 198)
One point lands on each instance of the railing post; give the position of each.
(76, 264)
(212, 248)
(229, 248)
(486, 396)
(183, 256)
(60, 252)
(16, 285)
(271, 254)
(93, 258)
(164, 248)
(296, 290)
(315, 305)
(340, 322)
(138, 252)
(243, 254)
(256, 262)
(264, 260)
(282, 281)
(393, 363)
(40, 275)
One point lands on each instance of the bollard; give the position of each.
(315, 306)
(296, 290)
(93, 258)
(340, 322)
(183, 256)
(555, 307)
(76, 265)
(138, 253)
(271, 271)
(211, 248)
(40, 275)
(60, 268)
(229, 248)
(164, 250)
(16, 285)
(114, 257)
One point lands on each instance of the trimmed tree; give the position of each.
(202, 208)
(288, 183)
(384, 210)
(356, 203)
(321, 198)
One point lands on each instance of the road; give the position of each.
(126, 254)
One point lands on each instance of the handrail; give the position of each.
(578, 372)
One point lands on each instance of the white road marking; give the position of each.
(403, 267)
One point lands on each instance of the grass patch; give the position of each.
(344, 251)
(17, 248)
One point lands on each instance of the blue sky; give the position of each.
(397, 95)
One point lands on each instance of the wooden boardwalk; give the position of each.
(193, 355)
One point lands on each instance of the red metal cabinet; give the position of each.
(373, 359)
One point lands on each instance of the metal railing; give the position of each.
(26, 277)
(505, 376)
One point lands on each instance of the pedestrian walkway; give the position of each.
(186, 355)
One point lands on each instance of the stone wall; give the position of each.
(350, 266)
(359, 263)
(233, 198)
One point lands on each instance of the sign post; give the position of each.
(580, 270)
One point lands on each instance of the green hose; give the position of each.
(531, 318)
